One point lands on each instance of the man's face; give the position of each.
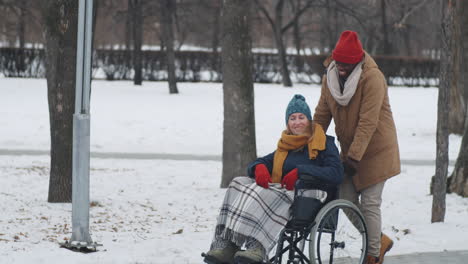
(344, 69)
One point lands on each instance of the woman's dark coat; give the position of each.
(327, 166)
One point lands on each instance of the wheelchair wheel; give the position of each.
(339, 235)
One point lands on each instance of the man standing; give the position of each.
(355, 94)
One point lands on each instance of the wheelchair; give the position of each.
(334, 229)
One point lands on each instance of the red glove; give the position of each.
(289, 180)
(262, 175)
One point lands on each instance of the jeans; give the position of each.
(368, 201)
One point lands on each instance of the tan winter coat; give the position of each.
(365, 127)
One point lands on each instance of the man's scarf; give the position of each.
(350, 86)
(288, 142)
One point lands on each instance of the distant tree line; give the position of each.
(388, 28)
(194, 66)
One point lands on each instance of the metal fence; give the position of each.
(195, 66)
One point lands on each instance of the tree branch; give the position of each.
(402, 21)
(350, 12)
(299, 13)
(265, 13)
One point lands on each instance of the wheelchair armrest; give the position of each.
(309, 199)
(310, 182)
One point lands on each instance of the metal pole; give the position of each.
(81, 239)
(79, 55)
(88, 56)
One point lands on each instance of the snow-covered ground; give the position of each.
(163, 211)
(147, 119)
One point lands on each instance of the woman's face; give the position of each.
(298, 123)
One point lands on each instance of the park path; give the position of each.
(167, 156)
(445, 257)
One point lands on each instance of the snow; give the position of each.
(164, 211)
(127, 118)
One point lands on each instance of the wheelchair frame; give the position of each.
(325, 222)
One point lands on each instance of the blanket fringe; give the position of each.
(227, 234)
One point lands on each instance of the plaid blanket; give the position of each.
(250, 211)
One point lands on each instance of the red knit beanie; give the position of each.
(348, 49)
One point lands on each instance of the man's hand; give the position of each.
(351, 166)
(353, 163)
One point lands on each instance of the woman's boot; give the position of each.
(222, 252)
(255, 253)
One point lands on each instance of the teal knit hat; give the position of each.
(298, 105)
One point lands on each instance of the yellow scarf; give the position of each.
(289, 142)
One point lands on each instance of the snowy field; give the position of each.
(163, 211)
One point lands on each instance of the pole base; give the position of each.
(83, 247)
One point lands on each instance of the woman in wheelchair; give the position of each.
(257, 208)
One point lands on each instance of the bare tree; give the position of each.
(135, 7)
(407, 35)
(168, 8)
(440, 179)
(385, 39)
(458, 102)
(279, 29)
(128, 29)
(458, 181)
(60, 19)
(215, 36)
(239, 147)
(20, 11)
(330, 24)
(297, 38)
(21, 32)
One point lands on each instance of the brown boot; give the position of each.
(385, 245)
(371, 260)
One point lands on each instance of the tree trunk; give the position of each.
(297, 43)
(407, 39)
(137, 20)
(60, 30)
(239, 147)
(21, 36)
(440, 179)
(167, 13)
(215, 39)
(128, 26)
(463, 49)
(282, 58)
(96, 8)
(297, 37)
(283, 63)
(458, 181)
(457, 100)
(329, 25)
(386, 44)
(128, 37)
